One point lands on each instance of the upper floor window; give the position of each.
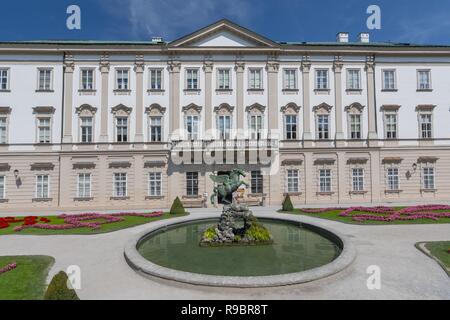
(154, 184)
(324, 180)
(122, 79)
(120, 185)
(389, 80)
(290, 79)
(223, 79)
(426, 125)
(291, 126)
(155, 129)
(84, 185)
(256, 182)
(224, 126)
(45, 79)
(392, 179)
(121, 129)
(156, 79)
(428, 178)
(321, 79)
(390, 120)
(2, 187)
(86, 127)
(87, 79)
(192, 126)
(192, 184)
(353, 79)
(357, 179)
(323, 127)
(424, 79)
(44, 130)
(355, 126)
(292, 180)
(255, 79)
(256, 127)
(3, 130)
(4, 79)
(42, 187)
(192, 79)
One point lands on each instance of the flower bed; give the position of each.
(388, 214)
(8, 268)
(27, 221)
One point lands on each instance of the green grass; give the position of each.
(28, 280)
(110, 227)
(334, 215)
(440, 251)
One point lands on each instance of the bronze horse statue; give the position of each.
(227, 184)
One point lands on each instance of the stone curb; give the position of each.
(149, 269)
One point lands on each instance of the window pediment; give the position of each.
(256, 108)
(86, 109)
(121, 110)
(44, 110)
(390, 107)
(290, 108)
(192, 109)
(355, 107)
(5, 110)
(425, 107)
(155, 110)
(322, 108)
(224, 109)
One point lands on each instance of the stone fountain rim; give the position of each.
(150, 269)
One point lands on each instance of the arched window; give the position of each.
(290, 121)
(192, 125)
(255, 114)
(121, 115)
(322, 114)
(155, 115)
(354, 120)
(86, 121)
(224, 121)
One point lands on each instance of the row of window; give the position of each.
(192, 75)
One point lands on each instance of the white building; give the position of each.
(97, 125)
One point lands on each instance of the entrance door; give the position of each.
(229, 198)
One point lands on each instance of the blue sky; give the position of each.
(281, 20)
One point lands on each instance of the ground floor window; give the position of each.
(428, 178)
(392, 179)
(120, 185)
(154, 184)
(42, 187)
(292, 181)
(2, 187)
(84, 185)
(325, 180)
(357, 179)
(257, 182)
(192, 184)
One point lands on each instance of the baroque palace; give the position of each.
(97, 125)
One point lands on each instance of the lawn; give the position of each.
(28, 280)
(128, 221)
(334, 214)
(440, 251)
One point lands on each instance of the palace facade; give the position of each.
(97, 125)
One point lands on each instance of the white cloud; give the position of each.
(174, 18)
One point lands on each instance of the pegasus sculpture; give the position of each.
(227, 184)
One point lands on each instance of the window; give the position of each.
(292, 180)
(321, 79)
(4, 79)
(3, 130)
(156, 79)
(353, 79)
(357, 179)
(192, 127)
(155, 129)
(323, 128)
(45, 79)
(122, 129)
(389, 81)
(120, 185)
(42, 187)
(355, 126)
(87, 79)
(426, 125)
(154, 184)
(86, 129)
(192, 79)
(391, 126)
(224, 127)
(428, 178)
(290, 79)
(192, 184)
(257, 182)
(223, 79)
(84, 185)
(255, 79)
(2, 187)
(424, 79)
(122, 81)
(392, 179)
(256, 127)
(325, 180)
(44, 130)
(291, 127)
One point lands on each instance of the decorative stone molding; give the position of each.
(139, 64)
(44, 110)
(272, 67)
(192, 107)
(392, 160)
(357, 160)
(121, 109)
(356, 106)
(425, 107)
(104, 63)
(390, 107)
(42, 166)
(306, 64)
(4, 167)
(120, 164)
(5, 110)
(84, 165)
(323, 106)
(256, 107)
(292, 162)
(290, 106)
(155, 109)
(370, 63)
(224, 107)
(338, 64)
(69, 64)
(239, 66)
(208, 66)
(324, 161)
(174, 66)
(86, 109)
(427, 159)
(154, 163)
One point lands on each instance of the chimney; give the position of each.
(342, 37)
(157, 39)
(364, 37)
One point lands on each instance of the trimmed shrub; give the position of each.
(287, 204)
(177, 207)
(58, 289)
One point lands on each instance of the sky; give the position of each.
(412, 21)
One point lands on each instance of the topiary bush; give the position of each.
(177, 207)
(287, 204)
(58, 289)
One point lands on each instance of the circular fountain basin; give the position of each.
(300, 253)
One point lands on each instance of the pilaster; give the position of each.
(139, 68)
(104, 70)
(69, 68)
(208, 67)
(371, 103)
(272, 97)
(305, 68)
(240, 115)
(337, 68)
(174, 68)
